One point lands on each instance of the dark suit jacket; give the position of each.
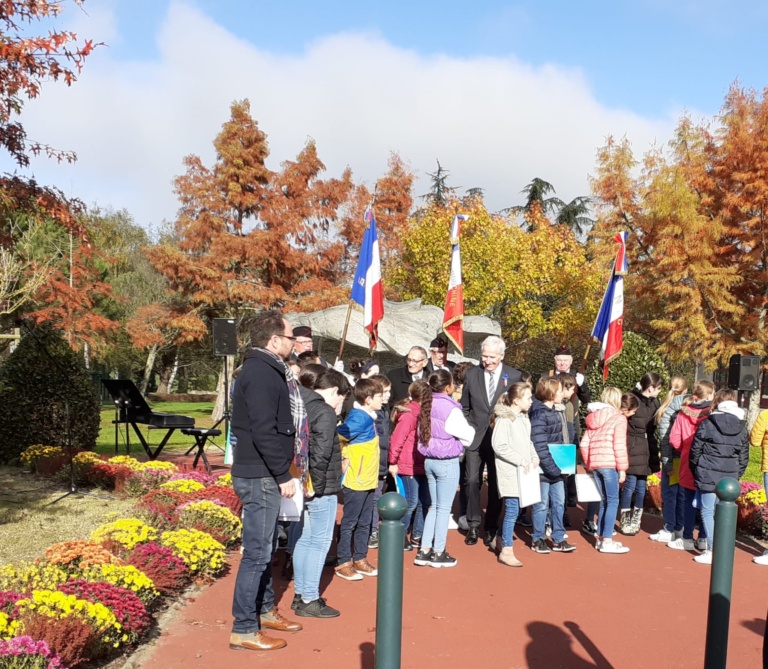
(431, 368)
(474, 400)
(401, 378)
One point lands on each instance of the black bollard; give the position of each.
(389, 590)
(721, 580)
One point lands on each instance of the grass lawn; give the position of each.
(105, 444)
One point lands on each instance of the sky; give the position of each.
(498, 92)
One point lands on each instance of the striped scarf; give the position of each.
(300, 421)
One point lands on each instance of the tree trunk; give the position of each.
(87, 355)
(218, 408)
(166, 362)
(754, 404)
(148, 367)
(174, 371)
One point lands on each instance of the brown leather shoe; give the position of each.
(255, 641)
(365, 568)
(274, 621)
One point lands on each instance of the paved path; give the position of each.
(580, 610)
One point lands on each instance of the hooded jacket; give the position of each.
(546, 428)
(681, 437)
(604, 444)
(642, 446)
(324, 449)
(720, 447)
(511, 441)
(403, 443)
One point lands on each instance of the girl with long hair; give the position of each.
(604, 451)
(512, 447)
(672, 495)
(694, 410)
(643, 451)
(407, 462)
(444, 433)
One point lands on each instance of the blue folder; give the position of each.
(564, 456)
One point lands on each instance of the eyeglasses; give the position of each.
(286, 337)
(411, 360)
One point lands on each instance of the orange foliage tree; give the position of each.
(249, 237)
(698, 212)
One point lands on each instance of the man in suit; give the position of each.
(438, 356)
(483, 386)
(402, 377)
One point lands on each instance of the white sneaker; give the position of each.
(613, 547)
(452, 524)
(682, 544)
(701, 544)
(761, 559)
(662, 536)
(599, 545)
(704, 558)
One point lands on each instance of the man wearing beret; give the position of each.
(303, 342)
(438, 356)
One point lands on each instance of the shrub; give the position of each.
(637, 357)
(125, 461)
(183, 485)
(76, 555)
(23, 652)
(192, 475)
(27, 577)
(158, 507)
(9, 626)
(8, 599)
(224, 480)
(30, 394)
(60, 606)
(141, 481)
(220, 495)
(129, 610)
(127, 532)
(168, 573)
(218, 521)
(106, 475)
(126, 576)
(72, 639)
(36, 452)
(200, 552)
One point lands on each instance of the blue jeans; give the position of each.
(356, 520)
(511, 510)
(312, 547)
(552, 495)
(253, 586)
(673, 504)
(442, 478)
(765, 483)
(607, 481)
(633, 485)
(377, 493)
(708, 501)
(416, 492)
(689, 516)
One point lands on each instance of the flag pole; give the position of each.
(344, 333)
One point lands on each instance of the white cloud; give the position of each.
(495, 123)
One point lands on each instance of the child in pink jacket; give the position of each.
(604, 451)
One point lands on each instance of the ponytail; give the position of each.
(438, 381)
(677, 386)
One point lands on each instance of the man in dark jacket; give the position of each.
(483, 386)
(438, 356)
(263, 422)
(402, 377)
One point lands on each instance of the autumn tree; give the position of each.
(27, 61)
(534, 283)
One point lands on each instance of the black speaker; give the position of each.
(224, 337)
(744, 372)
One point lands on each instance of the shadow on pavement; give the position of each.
(551, 647)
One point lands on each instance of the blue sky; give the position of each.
(499, 92)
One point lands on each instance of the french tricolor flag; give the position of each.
(453, 316)
(608, 328)
(367, 290)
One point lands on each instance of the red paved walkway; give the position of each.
(644, 609)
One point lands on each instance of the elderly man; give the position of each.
(483, 386)
(266, 408)
(402, 377)
(438, 356)
(302, 343)
(563, 365)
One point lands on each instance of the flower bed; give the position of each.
(86, 600)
